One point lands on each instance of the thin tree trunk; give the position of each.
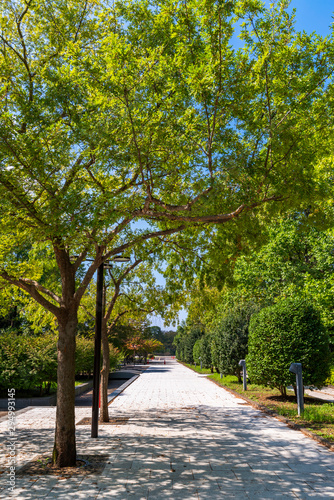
(104, 413)
(64, 452)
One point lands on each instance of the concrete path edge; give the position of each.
(272, 413)
(118, 391)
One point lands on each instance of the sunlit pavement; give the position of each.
(186, 438)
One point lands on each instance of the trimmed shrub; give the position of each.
(194, 334)
(202, 349)
(27, 362)
(197, 351)
(230, 339)
(30, 362)
(291, 331)
(185, 340)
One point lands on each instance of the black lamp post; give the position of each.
(98, 336)
(97, 349)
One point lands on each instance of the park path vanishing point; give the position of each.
(185, 438)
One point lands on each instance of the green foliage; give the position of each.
(84, 356)
(185, 340)
(297, 260)
(197, 352)
(27, 362)
(288, 332)
(202, 349)
(230, 339)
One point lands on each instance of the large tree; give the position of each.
(145, 111)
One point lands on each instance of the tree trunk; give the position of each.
(104, 413)
(64, 451)
(282, 389)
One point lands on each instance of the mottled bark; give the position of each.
(64, 452)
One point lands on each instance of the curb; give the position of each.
(18, 412)
(118, 391)
(41, 401)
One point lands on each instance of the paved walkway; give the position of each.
(186, 438)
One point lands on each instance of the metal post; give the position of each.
(201, 361)
(97, 351)
(297, 369)
(242, 363)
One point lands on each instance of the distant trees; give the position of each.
(184, 341)
(166, 337)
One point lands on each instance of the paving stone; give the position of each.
(187, 439)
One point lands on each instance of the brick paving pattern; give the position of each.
(186, 438)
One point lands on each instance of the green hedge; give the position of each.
(202, 351)
(289, 332)
(29, 362)
(185, 341)
(230, 339)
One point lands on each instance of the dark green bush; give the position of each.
(197, 352)
(84, 356)
(27, 362)
(291, 331)
(194, 334)
(185, 340)
(202, 351)
(30, 362)
(230, 339)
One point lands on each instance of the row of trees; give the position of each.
(134, 128)
(293, 265)
(270, 339)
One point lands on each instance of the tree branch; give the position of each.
(31, 287)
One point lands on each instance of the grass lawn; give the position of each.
(318, 416)
(36, 392)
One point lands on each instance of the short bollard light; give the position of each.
(297, 369)
(242, 363)
(201, 361)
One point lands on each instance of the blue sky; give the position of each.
(314, 15)
(311, 15)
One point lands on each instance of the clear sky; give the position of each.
(314, 15)
(311, 15)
